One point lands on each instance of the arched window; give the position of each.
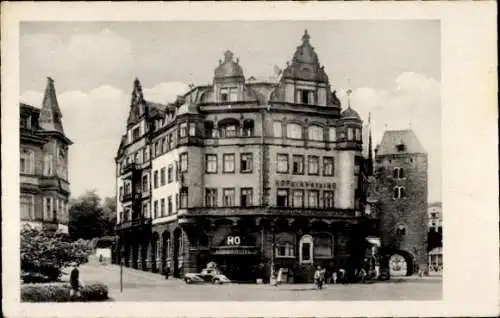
(294, 131)
(306, 249)
(229, 127)
(323, 246)
(398, 173)
(315, 133)
(399, 192)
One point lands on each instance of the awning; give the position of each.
(374, 240)
(235, 250)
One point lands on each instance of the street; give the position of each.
(146, 286)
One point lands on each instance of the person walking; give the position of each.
(74, 280)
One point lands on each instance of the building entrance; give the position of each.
(238, 268)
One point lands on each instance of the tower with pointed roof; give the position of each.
(44, 163)
(401, 172)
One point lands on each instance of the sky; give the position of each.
(392, 66)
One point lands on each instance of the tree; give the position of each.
(86, 216)
(47, 252)
(109, 212)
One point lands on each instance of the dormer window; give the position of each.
(26, 122)
(350, 133)
(401, 147)
(228, 94)
(136, 133)
(224, 95)
(305, 96)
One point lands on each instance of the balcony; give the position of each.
(142, 222)
(132, 166)
(126, 197)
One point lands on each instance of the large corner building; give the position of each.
(45, 188)
(245, 173)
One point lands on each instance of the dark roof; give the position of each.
(393, 138)
(350, 113)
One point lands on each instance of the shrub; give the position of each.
(60, 292)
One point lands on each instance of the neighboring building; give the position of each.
(246, 174)
(401, 172)
(44, 147)
(435, 215)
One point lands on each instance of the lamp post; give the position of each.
(273, 258)
(121, 274)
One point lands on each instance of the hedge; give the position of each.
(60, 292)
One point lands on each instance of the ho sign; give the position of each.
(233, 240)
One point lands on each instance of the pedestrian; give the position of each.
(74, 280)
(100, 258)
(319, 277)
(166, 272)
(334, 277)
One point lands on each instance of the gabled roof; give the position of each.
(392, 139)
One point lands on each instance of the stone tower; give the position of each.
(401, 171)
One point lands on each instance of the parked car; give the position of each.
(208, 275)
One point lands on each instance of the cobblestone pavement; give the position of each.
(145, 286)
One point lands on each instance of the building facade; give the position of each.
(249, 174)
(435, 216)
(45, 188)
(400, 170)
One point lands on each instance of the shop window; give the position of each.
(306, 249)
(285, 249)
(323, 246)
(298, 164)
(282, 160)
(282, 198)
(246, 165)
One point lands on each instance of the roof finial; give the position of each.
(228, 56)
(349, 92)
(305, 37)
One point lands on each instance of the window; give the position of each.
(27, 161)
(48, 209)
(155, 209)
(155, 179)
(298, 198)
(160, 147)
(401, 147)
(169, 207)
(282, 160)
(136, 133)
(176, 201)
(229, 130)
(228, 163)
(305, 96)
(162, 176)
(246, 197)
(145, 210)
(298, 164)
(332, 135)
(315, 133)
(313, 198)
(401, 229)
(25, 122)
(328, 199)
(328, 166)
(228, 197)
(248, 128)
(398, 173)
(184, 162)
(433, 215)
(282, 198)
(246, 165)
(350, 133)
(211, 163)
(146, 154)
(323, 246)
(162, 207)
(277, 129)
(184, 198)
(285, 249)
(209, 129)
(357, 134)
(164, 143)
(170, 141)
(294, 131)
(176, 171)
(399, 193)
(313, 165)
(145, 183)
(306, 249)
(210, 198)
(48, 168)
(27, 207)
(157, 149)
(183, 130)
(192, 129)
(138, 157)
(233, 95)
(224, 94)
(170, 173)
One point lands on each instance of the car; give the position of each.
(206, 276)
